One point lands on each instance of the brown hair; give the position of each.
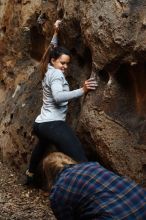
(53, 164)
(51, 52)
(45, 60)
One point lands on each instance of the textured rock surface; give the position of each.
(108, 41)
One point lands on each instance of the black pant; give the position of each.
(59, 134)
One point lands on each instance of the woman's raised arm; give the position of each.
(54, 41)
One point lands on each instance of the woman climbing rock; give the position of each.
(50, 125)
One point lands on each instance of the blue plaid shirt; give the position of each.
(88, 191)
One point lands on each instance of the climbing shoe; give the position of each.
(29, 178)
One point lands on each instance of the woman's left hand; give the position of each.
(89, 85)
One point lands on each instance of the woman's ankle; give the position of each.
(28, 173)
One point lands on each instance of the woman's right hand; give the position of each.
(89, 85)
(56, 25)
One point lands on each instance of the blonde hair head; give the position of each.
(53, 164)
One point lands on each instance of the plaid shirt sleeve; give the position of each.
(60, 205)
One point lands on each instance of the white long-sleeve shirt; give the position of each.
(56, 95)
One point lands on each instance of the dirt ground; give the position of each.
(19, 202)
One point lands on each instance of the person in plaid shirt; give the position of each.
(88, 191)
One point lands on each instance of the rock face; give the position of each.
(107, 40)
